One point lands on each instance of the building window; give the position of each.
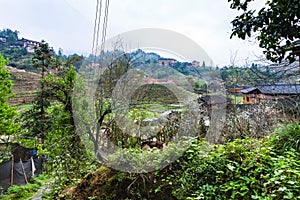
(247, 99)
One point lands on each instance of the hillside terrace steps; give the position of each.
(26, 85)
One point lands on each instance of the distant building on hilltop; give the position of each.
(196, 63)
(166, 61)
(28, 44)
(20, 43)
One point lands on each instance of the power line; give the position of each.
(97, 27)
(104, 25)
(97, 24)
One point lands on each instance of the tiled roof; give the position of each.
(285, 89)
(247, 90)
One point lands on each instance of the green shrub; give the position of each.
(287, 137)
(268, 168)
(243, 169)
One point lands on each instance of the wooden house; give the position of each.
(263, 93)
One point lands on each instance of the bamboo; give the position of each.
(12, 171)
(23, 170)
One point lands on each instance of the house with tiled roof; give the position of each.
(262, 93)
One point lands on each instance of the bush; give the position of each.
(243, 169)
(287, 137)
(247, 168)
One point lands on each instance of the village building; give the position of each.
(263, 93)
(196, 63)
(21, 43)
(28, 44)
(166, 61)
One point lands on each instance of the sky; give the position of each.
(69, 24)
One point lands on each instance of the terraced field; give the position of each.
(26, 85)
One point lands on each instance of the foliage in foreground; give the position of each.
(275, 24)
(243, 169)
(67, 159)
(26, 191)
(7, 113)
(51, 120)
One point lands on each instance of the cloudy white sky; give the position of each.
(68, 24)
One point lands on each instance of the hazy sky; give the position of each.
(68, 24)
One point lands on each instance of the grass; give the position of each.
(21, 108)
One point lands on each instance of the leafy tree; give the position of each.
(36, 120)
(44, 58)
(51, 118)
(59, 88)
(236, 75)
(275, 26)
(7, 113)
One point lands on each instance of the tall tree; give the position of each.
(35, 120)
(275, 26)
(59, 86)
(43, 59)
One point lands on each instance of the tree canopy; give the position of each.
(7, 113)
(276, 25)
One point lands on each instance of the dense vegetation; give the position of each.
(243, 169)
(7, 114)
(255, 156)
